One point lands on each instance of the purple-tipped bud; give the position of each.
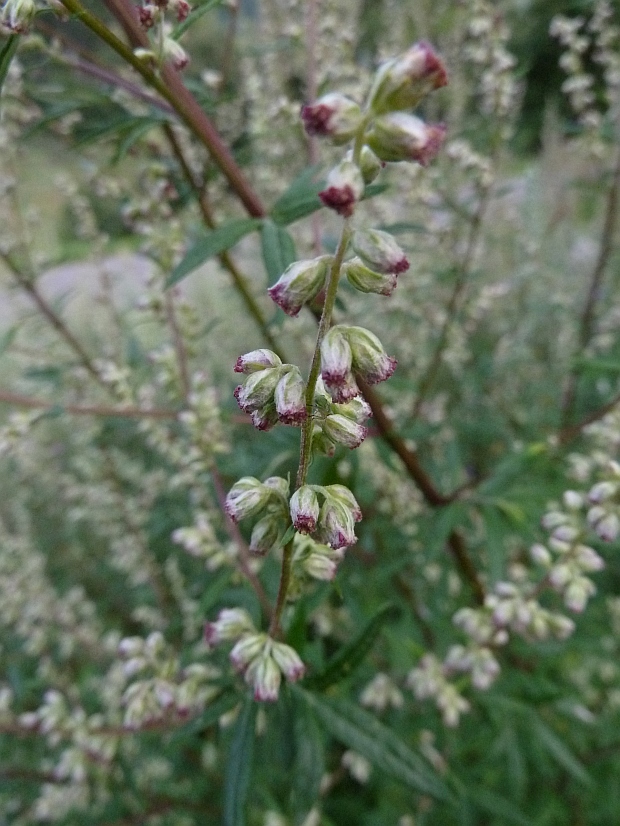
(230, 624)
(265, 418)
(357, 409)
(403, 81)
(299, 284)
(288, 661)
(343, 391)
(336, 524)
(369, 281)
(265, 534)
(173, 52)
(290, 398)
(304, 509)
(602, 491)
(257, 360)
(336, 358)
(402, 137)
(370, 165)
(247, 497)
(344, 188)
(369, 358)
(247, 650)
(264, 676)
(342, 494)
(258, 389)
(379, 251)
(344, 431)
(608, 528)
(333, 116)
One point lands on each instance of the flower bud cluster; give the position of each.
(346, 351)
(273, 392)
(428, 680)
(165, 47)
(381, 693)
(261, 659)
(337, 424)
(333, 521)
(249, 498)
(201, 541)
(384, 129)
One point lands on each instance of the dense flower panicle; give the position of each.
(290, 399)
(402, 82)
(304, 507)
(379, 251)
(258, 389)
(344, 188)
(403, 137)
(300, 284)
(257, 360)
(344, 431)
(334, 116)
(366, 280)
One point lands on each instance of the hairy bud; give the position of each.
(258, 390)
(265, 534)
(304, 509)
(368, 281)
(379, 251)
(369, 358)
(402, 137)
(257, 360)
(344, 431)
(344, 188)
(299, 284)
(334, 116)
(289, 398)
(247, 497)
(402, 82)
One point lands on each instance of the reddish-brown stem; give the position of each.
(19, 400)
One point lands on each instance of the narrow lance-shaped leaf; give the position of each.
(239, 768)
(278, 249)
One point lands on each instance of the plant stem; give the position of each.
(324, 325)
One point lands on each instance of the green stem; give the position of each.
(285, 580)
(324, 325)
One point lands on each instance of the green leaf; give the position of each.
(560, 751)
(239, 768)
(497, 805)
(221, 239)
(362, 732)
(278, 249)
(351, 655)
(300, 199)
(193, 16)
(7, 53)
(309, 763)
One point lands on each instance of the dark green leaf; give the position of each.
(361, 731)
(300, 199)
(239, 766)
(351, 655)
(497, 805)
(560, 751)
(309, 764)
(193, 16)
(221, 239)
(210, 716)
(278, 249)
(7, 53)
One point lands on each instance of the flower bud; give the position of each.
(147, 14)
(336, 357)
(258, 389)
(540, 554)
(279, 486)
(357, 409)
(588, 559)
(608, 528)
(344, 431)
(342, 494)
(257, 360)
(402, 137)
(379, 251)
(344, 188)
(602, 491)
(336, 525)
(334, 116)
(402, 82)
(265, 417)
(290, 398)
(304, 509)
(247, 649)
(288, 661)
(247, 497)
(320, 566)
(369, 358)
(230, 624)
(368, 281)
(265, 534)
(264, 676)
(343, 391)
(369, 164)
(16, 15)
(173, 52)
(299, 284)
